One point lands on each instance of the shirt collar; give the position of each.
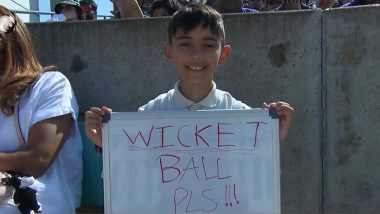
(183, 103)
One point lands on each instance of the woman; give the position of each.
(40, 103)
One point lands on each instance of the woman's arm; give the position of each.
(45, 140)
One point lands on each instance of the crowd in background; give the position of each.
(70, 10)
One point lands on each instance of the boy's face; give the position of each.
(196, 55)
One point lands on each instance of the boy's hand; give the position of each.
(93, 123)
(285, 113)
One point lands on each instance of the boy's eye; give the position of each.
(183, 44)
(209, 45)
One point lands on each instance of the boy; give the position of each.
(196, 48)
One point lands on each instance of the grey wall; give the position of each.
(324, 63)
(351, 137)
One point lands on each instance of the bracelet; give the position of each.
(98, 149)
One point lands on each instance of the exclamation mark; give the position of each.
(237, 202)
(225, 195)
(229, 194)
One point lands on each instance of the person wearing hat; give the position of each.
(70, 9)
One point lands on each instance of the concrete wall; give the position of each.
(351, 135)
(324, 63)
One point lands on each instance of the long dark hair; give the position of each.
(19, 65)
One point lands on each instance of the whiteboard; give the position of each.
(224, 161)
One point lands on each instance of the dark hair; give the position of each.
(171, 6)
(79, 13)
(90, 2)
(193, 15)
(89, 9)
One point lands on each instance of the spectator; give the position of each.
(293, 5)
(231, 6)
(166, 7)
(310, 3)
(272, 5)
(326, 4)
(361, 2)
(38, 129)
(70, 9)
(89, 8)
(256, 4)
(340, 3)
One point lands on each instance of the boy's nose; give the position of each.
(196, 54)
(196, 57)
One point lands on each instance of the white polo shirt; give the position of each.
(174, 100)
(59, 188)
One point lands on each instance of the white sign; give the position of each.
(224, 161)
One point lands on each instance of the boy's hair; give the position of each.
(191, 16)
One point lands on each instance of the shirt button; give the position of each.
(196, 106)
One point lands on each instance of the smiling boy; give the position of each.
(196, 49)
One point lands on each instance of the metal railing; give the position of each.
(39, 13)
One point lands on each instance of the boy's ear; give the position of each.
(226, 51)
(168, 52)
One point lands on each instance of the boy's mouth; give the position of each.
(196, 68)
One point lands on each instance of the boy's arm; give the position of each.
(93, 123)
(285, 113)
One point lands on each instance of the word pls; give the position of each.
(204, 201)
